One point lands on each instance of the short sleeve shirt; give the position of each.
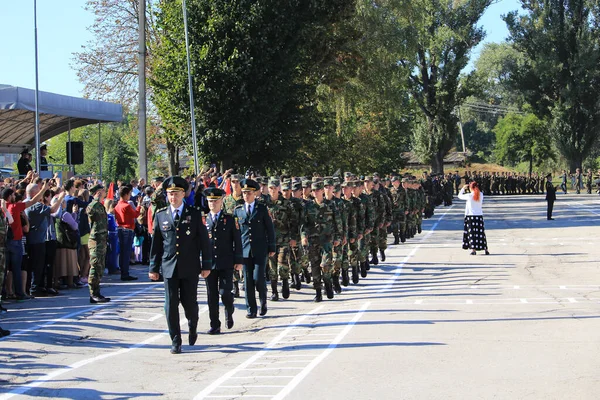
(15, 210)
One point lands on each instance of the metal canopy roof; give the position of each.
(17, 116)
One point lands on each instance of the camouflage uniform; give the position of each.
(338, 251)
(230, 202)
(354, 255)
(399, 208)
(297, 217)
(281, 214)
(322, 229)
(411, 221)
(385, 195)
(369, 224)
(421, 200)
(97, 244)
(379, 212)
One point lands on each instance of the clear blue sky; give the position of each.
(62, 30)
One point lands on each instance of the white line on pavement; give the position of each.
(210, 388)
(298, 378)
(48, 377)
(398, 271)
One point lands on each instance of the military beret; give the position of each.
(328, 181)
(214, 193)
(274, 182)
(306, 183)
(317, 185)
(296, 186)
(287, 185)
(95, 189)
(175, 184)
(237, 177)
(249, 185)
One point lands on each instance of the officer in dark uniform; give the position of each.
(224, 233)
(550, 196)
(180, 239)
(258, 242)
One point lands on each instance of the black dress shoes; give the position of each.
(229, 317)
(99, 299)
(176, 348)
(263, 308)
(251, 315)
(193, 335)
(214, 331)
(129, 278)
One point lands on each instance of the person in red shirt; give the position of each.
(125, 215)
(14, 244)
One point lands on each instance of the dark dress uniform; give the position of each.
(550, 198)
(226, 241)
(258, 240)
(177, 245)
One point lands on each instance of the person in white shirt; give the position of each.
(474, 234)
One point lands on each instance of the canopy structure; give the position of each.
(58, 113)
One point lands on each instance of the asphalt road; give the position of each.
(432, 322)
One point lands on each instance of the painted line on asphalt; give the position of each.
(205, 393)
(398, 271)
(298, 378)
(76, 313)
(22, 389)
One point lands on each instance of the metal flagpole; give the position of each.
(142, 90)
(37, 113)
(187, 50)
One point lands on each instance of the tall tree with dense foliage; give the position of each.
(560, 78)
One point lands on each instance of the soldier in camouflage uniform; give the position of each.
(230, 202)
(98, 243)
(320, 233)
(420, 194)
(293, 192)
(379, 211)
(411, 201)
(350, 247)
(264, 190)
(365, 243)
(387, 219)
(341, 218)
(399, 211)
(354, 251)
(281, 211)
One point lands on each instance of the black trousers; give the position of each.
(49, 264)
(184, 291)
(254, 280)
(220, 281)
(550, 207)
(37, 262)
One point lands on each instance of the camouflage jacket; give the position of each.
(369, 210)
(281, 213)
(231, 202)
(321, 226)
(343, 212)
(297, 218)
(399, 202)
(98, 220)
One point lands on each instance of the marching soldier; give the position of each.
(341, 220)
(226, 241)
(229, 204)
(97, 243)
(379, 213)
(365, 243)
(258, 243)
(351, 246)
(181, 250)
(293, 192)
(399, 211)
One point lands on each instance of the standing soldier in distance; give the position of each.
(226, 241)
(97, 243)
(589, 179)
(181, 250)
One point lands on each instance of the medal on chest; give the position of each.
(188, 232)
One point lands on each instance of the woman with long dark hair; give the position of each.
(474, 234)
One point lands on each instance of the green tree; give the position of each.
(561, 43)
(439, 37)
(521, 138)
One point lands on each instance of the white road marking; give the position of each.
(398, 271)
(516, 287)
(290, 386)
(420, 301)
(469, 301)
(229, 374)
(572, 300)
(523, 300)
(82, 363)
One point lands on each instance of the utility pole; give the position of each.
(37, 92)
(142, 89)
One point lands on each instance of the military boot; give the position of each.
(275, 295)
(306, 276)
(319, 297)
(345, 277)
(374, 259)
(285, 289)
(396, 239)
(382, 253)
(402, 237)
(363, 269)
(336, 284)
(298, 282)
(355, 274)
(328, 289)
(419, 230)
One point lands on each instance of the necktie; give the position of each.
(214, 217)
(249, 209)
(176, 218)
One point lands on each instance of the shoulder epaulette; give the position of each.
(161, 209)
(239, 206)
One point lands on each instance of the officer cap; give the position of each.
(237, 177)
(287, 185)
(175, 184)
(328, 181)
(95, 189)
(274, 182)
(214, 193)
(317, 185)
(249, 185)
(306, 183)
